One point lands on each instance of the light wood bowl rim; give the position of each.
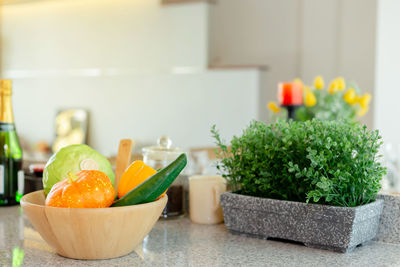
(24, 202)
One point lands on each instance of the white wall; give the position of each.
(256, 32)
(136, 34)
(298, 38)
(141, 107)
(138, 67)
(387, 108)
(339, 39)
(319, 38)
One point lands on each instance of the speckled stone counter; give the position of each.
(178, 242)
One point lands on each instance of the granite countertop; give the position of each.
(178, 242)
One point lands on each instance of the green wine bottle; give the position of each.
(11, 174)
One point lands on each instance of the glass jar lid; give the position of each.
(163, 150)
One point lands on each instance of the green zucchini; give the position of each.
(153, 186)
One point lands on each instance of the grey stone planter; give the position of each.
(389, 227)
(319, 226)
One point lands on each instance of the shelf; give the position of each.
(237, 67)
(174, 2)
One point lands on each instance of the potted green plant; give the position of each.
(314, 182)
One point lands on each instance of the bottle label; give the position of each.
(2, 178)
(21, 182)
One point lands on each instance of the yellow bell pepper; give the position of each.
(319, 83)
(273, 107)
(134, 175)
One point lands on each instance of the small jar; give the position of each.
(158, 157)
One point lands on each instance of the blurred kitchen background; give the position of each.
(147, 68)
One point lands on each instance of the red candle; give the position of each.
(290, 94)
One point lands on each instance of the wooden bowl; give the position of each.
(92, 233)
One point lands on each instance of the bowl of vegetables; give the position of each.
(84, 217)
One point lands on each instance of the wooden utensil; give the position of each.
(123, 159)
(92, 233)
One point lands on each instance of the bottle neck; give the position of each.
(6, 114)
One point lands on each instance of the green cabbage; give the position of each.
(74, 158)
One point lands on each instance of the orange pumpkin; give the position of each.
(85, 189)
(133, 176)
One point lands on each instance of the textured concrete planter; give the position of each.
(389, 227)
(318, 226)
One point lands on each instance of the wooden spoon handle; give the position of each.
(123, 159)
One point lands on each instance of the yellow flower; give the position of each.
(364, 103)
(363, 110)
(319, 83)
(273, 107)
(350, 96)
(333, 87)
(364, 100)
(310, 99)
(299, 81)
(340, 83)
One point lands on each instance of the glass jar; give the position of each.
(158, 157)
